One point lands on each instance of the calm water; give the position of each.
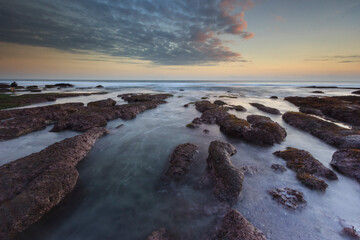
(119, 195)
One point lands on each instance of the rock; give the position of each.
(351, 233)
(342, 108)
(102, 103)
(31, 186)
(204, 98)
(4, 85)
(239, 108)
(203, 106)
(191, 125)
(307, 167)
(160, 234)
(99, 86)
(35, 90)
(274, 97)
(51, 98)
(356, 92)
(50, 86)
(264, 131)
(181, 160)
(206, 131)
(278, 168)
(312, 111)
(321, 92)
(235, 227)
(288, 197)
(249, 170)
(33, 87)
(326, 131)
(64, 85)
(301, 161)
(186, 105)
(312, 182)
(228, 179)
(265, 108)
(220, 103)
(181, 90)
(347, 162)
(119, 126)
(144, 97)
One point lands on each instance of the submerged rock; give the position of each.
(319, 92)
(341, 108)
(326, 131)
(144, 97)
(181, 160)
(160, 234)
(312, 182)
(290, 198)
(31, 186)
(203, 106)
(266, 109)
(278, 168)
(64, 85)
(228, 179)
(220, 103)
(274, 97)
(347, 162)
(239, 108)
(235, 227)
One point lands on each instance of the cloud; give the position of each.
(279, 18)
(336, 58)
(169, 32)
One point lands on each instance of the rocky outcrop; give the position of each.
(203, 106)
(160, 234)
(32, 185)
(73, 116)
(235, 227)
(219, 102)
(266, 109)
(238, 108)
(181, 160)
(228, 179)
(326, 131)
(307, 167)
(144, 97)
(289, 198)
(347, 162)
(342, 108)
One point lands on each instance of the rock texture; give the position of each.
(228, 179)
(32, 185)
(342, 108)
(160, 234)
(347, 161)
(278, 168)
(143, 97)
(235, 227)
(307, 167)
(289, 198)
(181, 160)
(266, 109)
(326, 131)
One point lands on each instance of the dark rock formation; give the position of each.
(220, 103)
(32, 185)
(119, 126)
(99, 86)
(356, 92)
(186, 105)
(288, 197)
(64, 85)
(321, 92)
(144, 97)
(278, 168)
(326, 131)
(50, 86)
(102, 103)
(235, 227)
(206, 130)
(228, 179)
(347, 161)
(203, 106)
(264, 108)
(274, 97)
(181, 161)
(238, 108)
(342, 108)
(307, 167)
(4, 85)
(160, 234)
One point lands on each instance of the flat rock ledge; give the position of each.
(326, 131)
(306, 168)
(180, 162)
(31, 186)
(266, 109)
(227, 179)
(257, 129)
(347, 162)
(235, 227)
(289, 198)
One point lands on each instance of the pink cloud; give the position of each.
(248, 35)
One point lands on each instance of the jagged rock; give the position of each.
(228, 179)
(288, 197)
(264, 108)
(181, 160)
(160, 234)
(341, 108)
(312, 182)
(278, 168)
(235, 227)
(31, 186)
(102, 103)
(220, 103)
(326, 131)
(347, 161)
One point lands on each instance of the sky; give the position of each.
(180, 39)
